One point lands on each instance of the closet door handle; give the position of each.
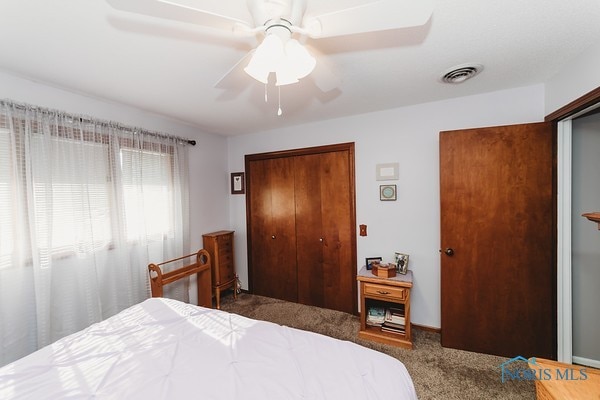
(273, 237)
(320, 239)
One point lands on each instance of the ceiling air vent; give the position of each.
(461, 73)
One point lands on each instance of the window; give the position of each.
(149, 212)
(81, 196)
(85, 206)
(6, 217)
(71, 205)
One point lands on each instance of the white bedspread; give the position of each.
(165, 349)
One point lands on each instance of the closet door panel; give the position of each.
(337, 199)
(324, 231)
(309, 234)
(272, 232)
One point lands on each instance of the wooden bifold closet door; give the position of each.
(301, 218)
(272, 233)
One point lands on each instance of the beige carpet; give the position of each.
(437, 372)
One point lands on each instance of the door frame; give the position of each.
(562, 119)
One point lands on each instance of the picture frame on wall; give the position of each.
(237, 183)
(387, 172)
(370, 260)
(387, 192)
(401, 262)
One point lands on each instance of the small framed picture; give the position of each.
(387, 172)
(369, 261)
(237, 183)
(401, 262)
(387, 192)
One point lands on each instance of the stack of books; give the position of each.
(389, 319)
(376, 316)
(394, 321)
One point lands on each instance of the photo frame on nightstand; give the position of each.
(370, 260)
(401, 262)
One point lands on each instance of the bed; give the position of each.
(166, 349)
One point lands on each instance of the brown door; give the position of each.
(314, 196)
(272, 233)
(324, 227)
(498, 240)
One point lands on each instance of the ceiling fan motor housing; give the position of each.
(264, 12)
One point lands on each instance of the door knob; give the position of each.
(449, 251)
(320, 239)
(273, 237)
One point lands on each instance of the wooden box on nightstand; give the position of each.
(220, 247)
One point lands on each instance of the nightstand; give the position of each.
(387, 294)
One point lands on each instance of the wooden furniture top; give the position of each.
(405, 280)
(575, 388)
(218, 233)
(594, 217)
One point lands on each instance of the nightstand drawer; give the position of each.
(391, 292)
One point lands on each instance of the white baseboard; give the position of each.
(586, 361)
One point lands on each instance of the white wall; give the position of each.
(409, 136)
(586, 239)
(579, 77)
(208, 159)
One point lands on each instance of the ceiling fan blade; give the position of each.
(179, 10)
(235, 72)
(369, 17)
(323, 75)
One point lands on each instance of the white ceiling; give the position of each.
(170, 68)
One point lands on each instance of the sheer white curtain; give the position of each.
(85, 206)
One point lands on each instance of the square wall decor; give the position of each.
(387, 172)
(387, 192)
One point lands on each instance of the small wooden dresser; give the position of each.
(220, 247)
(385, 293)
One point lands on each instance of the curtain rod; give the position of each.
(91, 120)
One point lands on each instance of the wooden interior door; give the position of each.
(324, 229)
(498, 268)
(272, 232)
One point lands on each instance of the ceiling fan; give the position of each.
(281, 22)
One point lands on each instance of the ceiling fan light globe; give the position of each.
(285, 76)
(270, 52)
(299, 59)
(258, 72)
(268, 55)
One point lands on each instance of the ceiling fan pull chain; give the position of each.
(266, 93)
(279, 112)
